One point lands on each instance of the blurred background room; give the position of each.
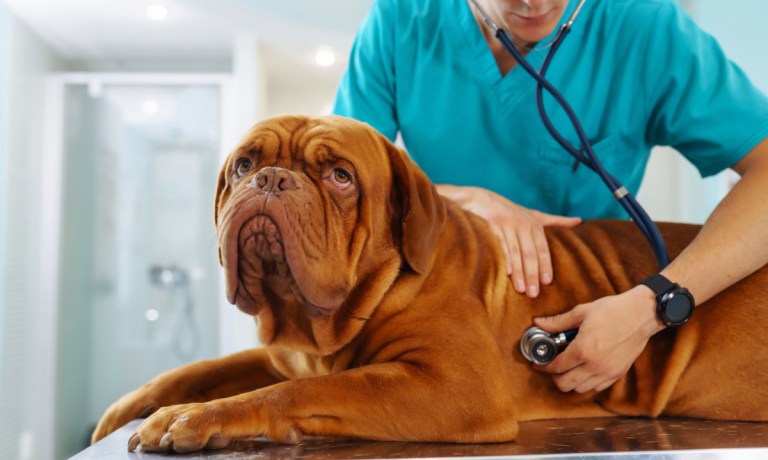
(115, 116)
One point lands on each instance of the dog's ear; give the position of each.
(422, 210)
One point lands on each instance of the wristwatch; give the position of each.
(674, 304)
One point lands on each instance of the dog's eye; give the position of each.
(341, 176)
(242, 166)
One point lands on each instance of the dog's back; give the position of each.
(712, 367)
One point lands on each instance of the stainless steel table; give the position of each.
(627, 438)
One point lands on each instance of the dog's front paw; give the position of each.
(180, 385)
(182, 428)
(136, 404)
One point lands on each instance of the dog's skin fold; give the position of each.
(388, 314)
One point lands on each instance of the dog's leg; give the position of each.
(387, 401)
(197, 382)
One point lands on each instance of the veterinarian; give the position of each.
(637, 73)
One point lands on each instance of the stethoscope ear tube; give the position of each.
(627, 200)
(588, 157)
(538, 346)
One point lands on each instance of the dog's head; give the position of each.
(316, 217)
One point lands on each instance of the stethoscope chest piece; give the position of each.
(540, 347)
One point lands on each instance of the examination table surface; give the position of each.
(627, 438)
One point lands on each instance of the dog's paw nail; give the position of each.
(134, 442)
(218, 441)
(166, 440)
(294, 436)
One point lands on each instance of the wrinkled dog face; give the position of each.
(316, 217)
(288, 211)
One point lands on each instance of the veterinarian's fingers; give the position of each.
(572, 371)
(565, 363)
(545, 258)
(516, 263)
(556, 220)
(511, 249)
(547, 220)
(562, 385)
(606, 383)
(560, 323)
(530, 260)
(570, 380)
(504, 247)
(591, 383)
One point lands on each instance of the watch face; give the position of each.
(678, 308)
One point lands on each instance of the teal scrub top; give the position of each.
(638, 73)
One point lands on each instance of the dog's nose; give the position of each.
(274, 180)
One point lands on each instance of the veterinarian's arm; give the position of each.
(520, 230)
(614, 330)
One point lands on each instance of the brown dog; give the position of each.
(389, 316)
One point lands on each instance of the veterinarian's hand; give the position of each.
(613, 331)
(520, 230)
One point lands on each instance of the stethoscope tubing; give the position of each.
(588, 157)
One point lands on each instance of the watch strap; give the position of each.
(669, 308)
(659, 283)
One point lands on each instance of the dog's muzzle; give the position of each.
(274, 180)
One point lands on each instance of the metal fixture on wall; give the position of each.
(185, 339)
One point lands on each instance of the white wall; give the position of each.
(287, 98)
(25, 425)
(740, 29)
(4, 69)
(672, 189)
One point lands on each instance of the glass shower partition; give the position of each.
(139, 281)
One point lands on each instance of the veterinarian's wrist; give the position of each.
(646, 302)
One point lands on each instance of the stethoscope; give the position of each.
(538, 346)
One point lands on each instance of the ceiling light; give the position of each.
(152, 314)
(325, 57)
(150, 107)
(95, 88)
(157, 12)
